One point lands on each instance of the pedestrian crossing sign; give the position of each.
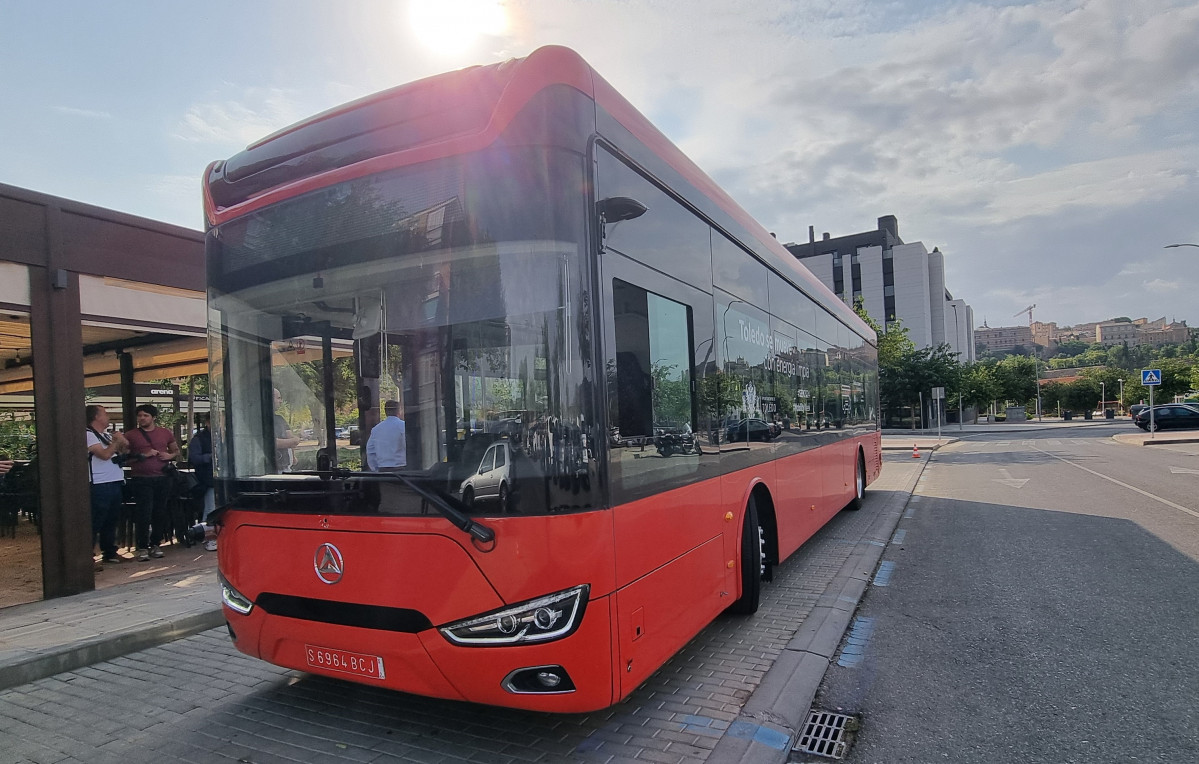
(1151, 376)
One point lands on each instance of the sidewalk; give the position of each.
(40, 639)
(926, 440)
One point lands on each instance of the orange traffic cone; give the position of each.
(915, 452)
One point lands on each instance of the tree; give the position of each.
(1176, 380)
(915, 374)
(893, 344)
(671, 395)
(978, 384)
(1017, 379)
(905, 372)
(1070, 348)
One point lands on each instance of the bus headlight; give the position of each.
(233, 598)
(544, 619)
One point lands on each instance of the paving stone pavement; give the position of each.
(733, 694)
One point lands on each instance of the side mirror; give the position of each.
(617, 208)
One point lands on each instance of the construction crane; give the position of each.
(1027, 310)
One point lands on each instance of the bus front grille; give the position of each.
(345, 613)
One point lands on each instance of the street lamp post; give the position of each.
(1120, 405)
(1103, 398)
(1037, 361)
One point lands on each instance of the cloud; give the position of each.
(1039, 144)
(930, 115)
(1161, 285)
(234, 122)
(1119, 181)
(86, 113)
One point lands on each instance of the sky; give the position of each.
(1049, 149)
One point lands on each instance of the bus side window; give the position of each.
(653, 362)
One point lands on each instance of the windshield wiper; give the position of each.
(439, 501)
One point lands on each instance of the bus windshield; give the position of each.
(453, 290)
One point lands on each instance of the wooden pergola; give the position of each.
(89, 297)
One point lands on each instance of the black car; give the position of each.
(1136, 408)
(1173, 416)
(750, 429)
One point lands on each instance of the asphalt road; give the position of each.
(1039, 606)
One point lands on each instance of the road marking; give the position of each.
(899, 536)
(885, 570)
(1010, 481)
(855, 643)
(1183, 471)
(1132, 488)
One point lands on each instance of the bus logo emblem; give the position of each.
(327, 563)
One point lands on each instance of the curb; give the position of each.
(931, 447)
(777, 711)
(106, 647)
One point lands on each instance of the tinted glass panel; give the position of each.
(653, 443)
(737, 272)
(456, 290)
(668, 236)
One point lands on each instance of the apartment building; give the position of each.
(895, 281)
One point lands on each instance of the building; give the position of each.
(895, 281)
(1141, 331)
(1077, 333)
(1003, 338)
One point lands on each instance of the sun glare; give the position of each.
(451, 26)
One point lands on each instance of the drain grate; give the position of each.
(826, 734)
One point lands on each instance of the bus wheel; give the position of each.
(753, 562)
(859, 484)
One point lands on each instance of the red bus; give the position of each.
(622, 401)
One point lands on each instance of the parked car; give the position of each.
(749, 429)
(1136, 408)
(493, 479)
(1174, 416)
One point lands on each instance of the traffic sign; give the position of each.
(1151, 376)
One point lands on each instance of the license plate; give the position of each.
(358, 664)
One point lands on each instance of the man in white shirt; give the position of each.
(386, 448)
(107, 481)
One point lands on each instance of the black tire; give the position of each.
(859, 485)
(468, 496)
(1154, 427)
(505, 498)
(753, 559)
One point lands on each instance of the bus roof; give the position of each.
(450, 114)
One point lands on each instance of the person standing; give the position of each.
(107, 481)
(152, 447)
(199, 455)
(387, 447)
(285, 442)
